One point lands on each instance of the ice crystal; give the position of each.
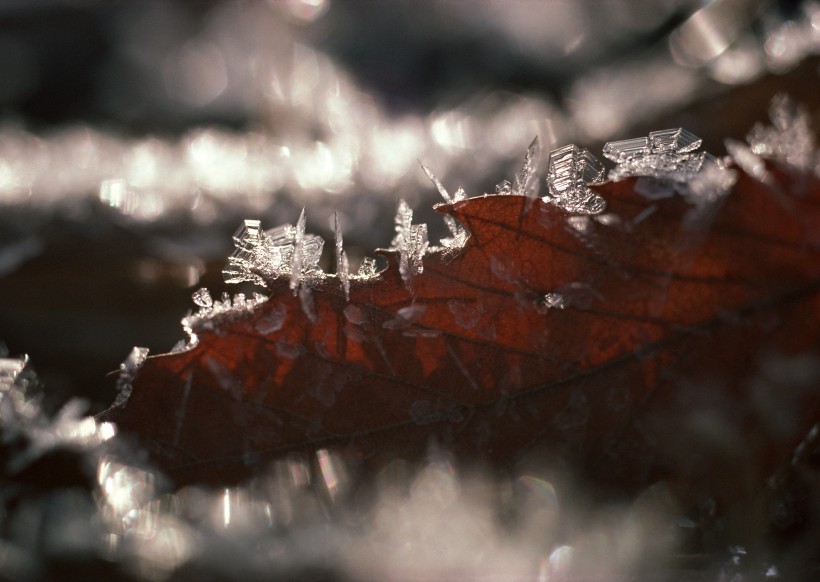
(665, 155)
(455, 242)
(202, 298)
(666, 161)
(789, 140)
(553, 301)
(625, 149)
(411, 242)
(526, 182)
(210, 311)
(677, 140)
(19, 390)
(571, 169)
(504, 188)
(747, 160)
(128, 371)
(439, 186)
(457, 239)
(262, 257)
(342, 265)
(710, 184)
(367, 268)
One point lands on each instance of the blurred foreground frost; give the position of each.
(312, 515)
(306, 515)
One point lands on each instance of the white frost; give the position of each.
(571, 169)
(666, 160)
(411, 242)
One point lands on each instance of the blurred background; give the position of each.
(136, 135)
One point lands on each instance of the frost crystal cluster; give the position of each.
(666, 155)
(19, 391)
(209, 311)
(789, 140)
(28, 433)
(669, 160)
(525, 182)
(571, 169)
(262, 257)
(458, 234)
(411, 242)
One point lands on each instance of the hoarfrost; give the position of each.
(553, 301)
(202, 298)
(458, 238)
(262, 257)
(504, 188)
(571, 169)
(526, 183)
(665, 155)
(439, 186)
(19, 390)
(677, 140)
(411, 242)
(301, 514)
(710, 184)
(297, 259)
(342, 265)
(367, 269)
(128, 371)
(666, 160)
(789, 140)
(747, 160)
(210, 311)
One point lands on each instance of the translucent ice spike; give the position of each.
(674, 140)
(459, 235)
(457, 239)
(411, 242)
(298, 254)
(342, 266)
(439, 186)
(525, 183)
(570, 170)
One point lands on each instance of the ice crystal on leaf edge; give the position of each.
(665, 162)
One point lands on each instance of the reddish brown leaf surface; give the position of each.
(679, 355)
